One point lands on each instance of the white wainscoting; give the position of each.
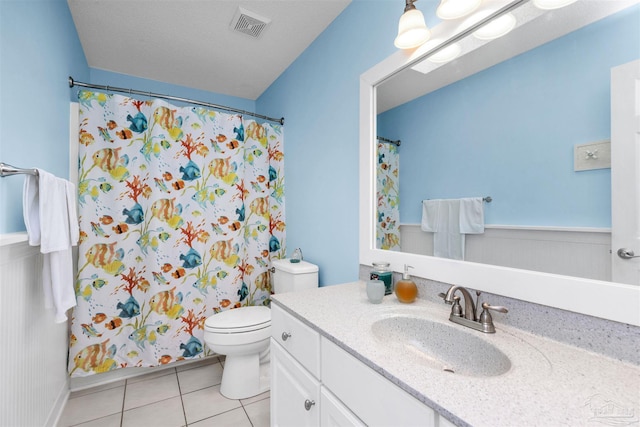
(33, 358)
(579, 252)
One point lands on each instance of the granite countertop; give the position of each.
(548, 382)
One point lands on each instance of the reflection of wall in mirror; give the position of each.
(509, 132)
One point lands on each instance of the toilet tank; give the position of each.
(290, 277)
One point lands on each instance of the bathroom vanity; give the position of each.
(313, 380)
(337, 359)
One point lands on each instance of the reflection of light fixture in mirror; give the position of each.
(496, 28)
(412, 31)
(447, 54)
(552, 4)
(454, 9)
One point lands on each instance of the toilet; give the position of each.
(242, 334)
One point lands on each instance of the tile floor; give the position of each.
(188, 395)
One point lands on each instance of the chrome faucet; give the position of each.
(469, 317)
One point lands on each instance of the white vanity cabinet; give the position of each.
(315, 382)
(297, 396)
(295, 393)
(333, 413)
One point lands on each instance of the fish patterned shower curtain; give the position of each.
(388, 197)
(181, 210)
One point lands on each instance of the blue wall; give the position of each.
(319, 97)
(40, 49)
(509, 132)
(102, 77)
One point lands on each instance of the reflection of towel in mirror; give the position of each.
(50, 216)
(450, 220)
(471, 215)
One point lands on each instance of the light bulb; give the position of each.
(454, 9)
(552, 4)
(496, 28)
(447, 54)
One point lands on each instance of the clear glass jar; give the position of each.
(381, 271)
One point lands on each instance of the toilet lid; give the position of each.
(243, 319)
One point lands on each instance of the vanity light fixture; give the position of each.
(496, 28)
(447, 54)
(412, 30)
(552, 4)
(454, 9)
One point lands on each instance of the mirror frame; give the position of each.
(608, 300)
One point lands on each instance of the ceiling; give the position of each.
(190, 42)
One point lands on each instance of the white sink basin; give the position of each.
(441, 346)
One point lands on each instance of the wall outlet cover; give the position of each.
(593, 155)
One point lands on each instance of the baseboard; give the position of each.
(58, 406)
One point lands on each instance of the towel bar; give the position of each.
(487, 199)
(8, 170)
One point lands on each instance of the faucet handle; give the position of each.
(456, 310)
(499, 308)
(485, 318)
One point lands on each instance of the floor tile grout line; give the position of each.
(150, 403)
(221, 413)
(124, 397)
(246, 413)
(184, 412)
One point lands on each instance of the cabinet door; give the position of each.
(295, 394)
(371, 397)
(334, 414)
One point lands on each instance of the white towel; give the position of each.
(472, 215)
(448, 242)
(50, 217)
(430, 210)
(450, 220)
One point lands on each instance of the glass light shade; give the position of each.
(412, 31)
(447, 54)
(496, 28)
(454, 9)
(552, 4)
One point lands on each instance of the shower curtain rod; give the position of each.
(73, 83)
(389, 141)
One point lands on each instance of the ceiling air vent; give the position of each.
(248, 22)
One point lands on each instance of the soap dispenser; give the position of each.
(406, 289)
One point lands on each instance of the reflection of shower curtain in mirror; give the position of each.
(388, 197)
(181, 210)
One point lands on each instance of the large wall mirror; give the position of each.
(524, 119)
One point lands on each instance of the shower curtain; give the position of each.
(181, 210)
(388, 196)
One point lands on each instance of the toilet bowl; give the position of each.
(242, 334)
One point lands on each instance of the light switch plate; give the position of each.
(594, 155)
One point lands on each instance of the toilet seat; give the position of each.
(239, 320)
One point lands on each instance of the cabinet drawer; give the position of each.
(302, 342)
(295, 394)
(370, 396)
